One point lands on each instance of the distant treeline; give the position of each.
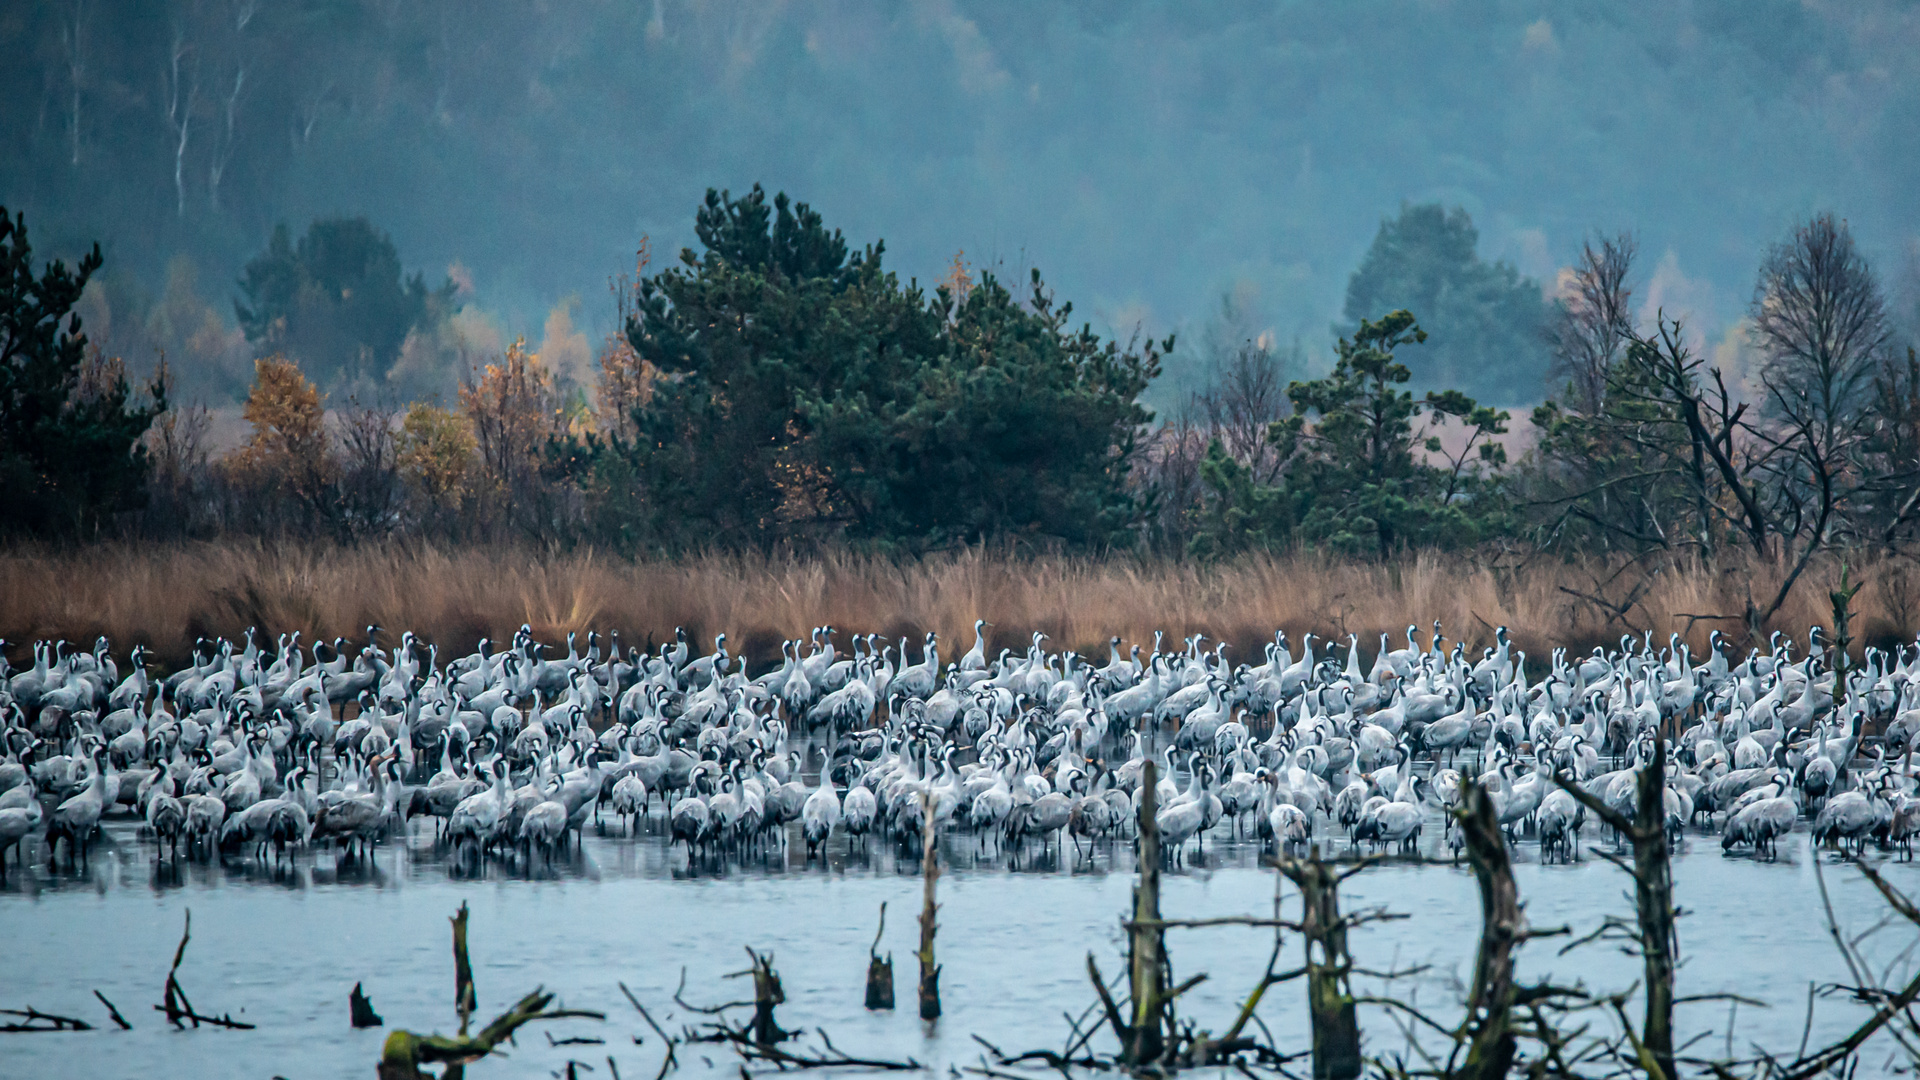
(534, 142)
(780, 389)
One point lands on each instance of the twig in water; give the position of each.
(1052, 1060)
(705, 1010)
(35, 1020)
(176, 1005)
(745, 1044)
(404, 1051)
(575, 1040)
(115, 1013)
(671, 1061)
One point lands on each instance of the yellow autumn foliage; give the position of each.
(514, 411)
(289, 439)
(436, 451)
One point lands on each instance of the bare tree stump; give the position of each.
(879, 972)
(767, 993)
(464, 1001)
(930, 864)
(1659, 945)
(1653, 902)
(1489, 1026)
(1147, 972)
(360, 1009)
(1330, 1005)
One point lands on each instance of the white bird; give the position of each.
(629, 799)
(77, 817)
(1760, 823)
(544, 826)
(1289, 825)
(478, 817)
(16, 822)
(820, 815)
(1178, 823)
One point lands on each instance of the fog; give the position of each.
(1148, 157)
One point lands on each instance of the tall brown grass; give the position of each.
(166, 596)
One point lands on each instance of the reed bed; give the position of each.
(166, 596)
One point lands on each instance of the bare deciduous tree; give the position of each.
(1894, 444)
(626, 380)
(368, 497)
(1168, 470)
(1593, 324)
(1821, 327)
(1247, 391)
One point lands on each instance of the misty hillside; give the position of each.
(1149, 157)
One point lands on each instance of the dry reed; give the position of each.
(166, 596)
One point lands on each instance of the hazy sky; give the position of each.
(1147, 156)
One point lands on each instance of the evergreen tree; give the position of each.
(1012, 424)
(1238, 513)
(1364, 467)
(336, 302)
(1486, 322)
(805, 392)
(70, 450)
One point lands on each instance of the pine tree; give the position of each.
(70, 452)
(802, 392)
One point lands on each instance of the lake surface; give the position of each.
(281, 948)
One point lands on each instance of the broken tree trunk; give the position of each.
(1489, 1021)
(1842, 599)
(1653, 901)
(1145, 1039)
(879, 972)
(404, 1052)
(767, 993)
(930, 866)
(1336, 1029)
(360, 1009)
(463, 994)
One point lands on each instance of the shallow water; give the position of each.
(281, 948)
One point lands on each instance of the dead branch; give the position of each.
(1488, 1030)
(463, 992)
(35, 1020)
(879, 972)
(113, 1012)
(705, 1010)
(405, 1052)
(1051, 1059)
(743, 1041)
(176, 1006)
(672, 1060)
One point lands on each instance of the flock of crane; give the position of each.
(517, 749)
